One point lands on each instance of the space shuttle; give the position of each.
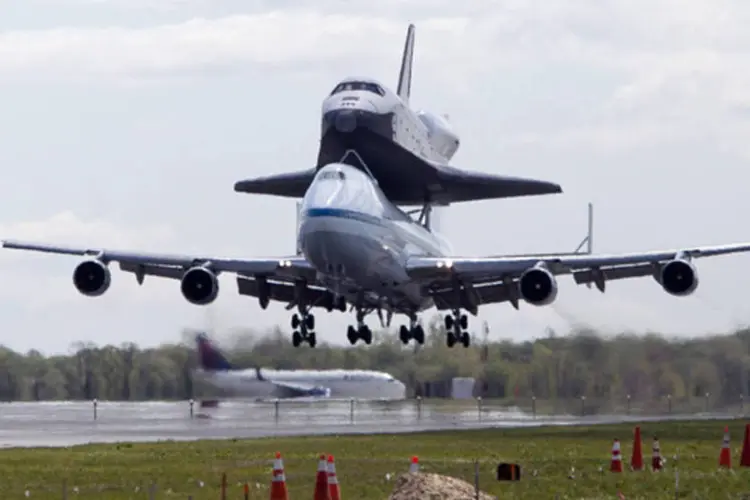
(408, 152)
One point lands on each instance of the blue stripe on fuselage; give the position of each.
(343, 214)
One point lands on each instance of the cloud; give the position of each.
(619, 34)
(625, 82)
(271, 38)
(38, 280)
(666, 52)
(67, 228)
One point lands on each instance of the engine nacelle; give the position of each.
(679, 278)
(538, 286)
(92, 278)
(319, 392)
(199, 286)
(442, 136)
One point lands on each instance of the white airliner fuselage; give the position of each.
(358, 240)
(334, 384)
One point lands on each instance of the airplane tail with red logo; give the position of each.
(210, 357)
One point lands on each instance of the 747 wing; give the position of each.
(198, 274)
(467, 283)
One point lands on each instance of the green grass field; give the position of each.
(547, 455)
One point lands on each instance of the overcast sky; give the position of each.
(125, 123)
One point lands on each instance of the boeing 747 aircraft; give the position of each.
(361, 250)
(407, 151)
(216, 370)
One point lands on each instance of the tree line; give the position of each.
(580, 364)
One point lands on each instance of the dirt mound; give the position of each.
(422, 486)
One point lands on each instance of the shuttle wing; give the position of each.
(173, 266)
(495, 279)
(289, 185)
(456, 185)
(408, 182)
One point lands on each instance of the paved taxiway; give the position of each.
(72, 423)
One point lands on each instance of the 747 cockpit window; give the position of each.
(332, 174)
(366, 86)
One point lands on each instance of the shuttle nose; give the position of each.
(347, 116)
(343, 120)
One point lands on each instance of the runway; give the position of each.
(56, 424)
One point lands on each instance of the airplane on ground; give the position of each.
(359, 249)
(407, 151)
(216, 370)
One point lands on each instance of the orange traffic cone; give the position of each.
(321, 481)
(414, 467)
(333, 481)
(636, 461)
(278, 482)
(616, 465)
(745, 457)
(725, 457)
(655, 455)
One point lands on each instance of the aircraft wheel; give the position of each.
(404, 335)
(311, 339)
(295, 321)
(449, 322)
(310, 322)
(465, 339)
(464, 321)
(365, 334)
(296, 338)
(418, 334)
(450, 339)
(351, 334)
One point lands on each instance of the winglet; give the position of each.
(589, 239)
(407, 60)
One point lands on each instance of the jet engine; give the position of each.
(92, 278)
(538, 286)
(319, 391)
(679, 278)
(441, 134)
(199, 286)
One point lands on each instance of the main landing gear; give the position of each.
(455, 328)
(306, 324)
(362, 331)
(413, 331)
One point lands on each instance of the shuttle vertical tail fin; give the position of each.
(407, 60)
